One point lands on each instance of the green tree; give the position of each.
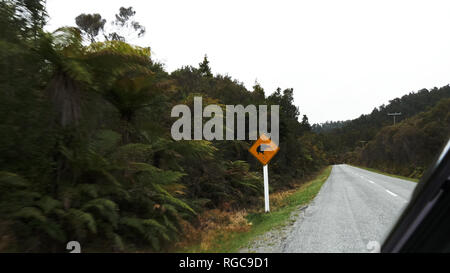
(204, 68)
(69, 72)
(126, 26)
(305, 123)
(91, 25)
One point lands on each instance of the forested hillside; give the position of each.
(85, 147)
(406, 148)
(342, 137)
(411, 145)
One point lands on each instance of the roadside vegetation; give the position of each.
(406, 148)
(388, 174)
(229, 232)
(86, 152)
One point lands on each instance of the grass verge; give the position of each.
(224, 239)
(388, 174)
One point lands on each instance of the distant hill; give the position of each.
(411, 145)
(344, 136)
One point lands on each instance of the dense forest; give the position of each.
(411, 145)
(406, 148)
(85, 147)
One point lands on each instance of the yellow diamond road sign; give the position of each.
(264, 149)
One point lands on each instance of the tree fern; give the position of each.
(135, 152)
(104, 208)
(133, 223)
(48, 204)
(82, 222)
(8, 179)
(30, 214)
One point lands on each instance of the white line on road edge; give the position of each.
(391, 193)
(388, 191)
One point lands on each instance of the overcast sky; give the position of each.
(343, 58)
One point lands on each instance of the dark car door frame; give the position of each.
(419, 222)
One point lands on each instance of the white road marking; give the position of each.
(391, 193)
(388, 191)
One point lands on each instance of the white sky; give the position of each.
(343, 58)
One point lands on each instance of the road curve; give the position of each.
(353, 212)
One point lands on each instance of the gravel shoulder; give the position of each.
(275, 240)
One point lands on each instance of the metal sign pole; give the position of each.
(266, 187)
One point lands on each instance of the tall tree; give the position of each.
(204, 68)
(305, 123)
(126, 27)
(258, 91)
(65, 54)
(91, 25)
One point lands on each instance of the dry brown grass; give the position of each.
(278, 199)
(213, 223)
(221, 222)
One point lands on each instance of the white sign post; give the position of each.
(266, 187)
(264, 149)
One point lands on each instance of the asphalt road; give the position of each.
(353, 212)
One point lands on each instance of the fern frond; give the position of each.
(104, 141)
(157, 175)
(175, 201)
(136, 152)
(80, 219)
(48, 204)
(89, 190)
(154, 224)
(30, 213)
(134, 223)
(105, 207)
(117, 242)
(54, 231)
(8, 179)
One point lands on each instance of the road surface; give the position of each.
(353, 212)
